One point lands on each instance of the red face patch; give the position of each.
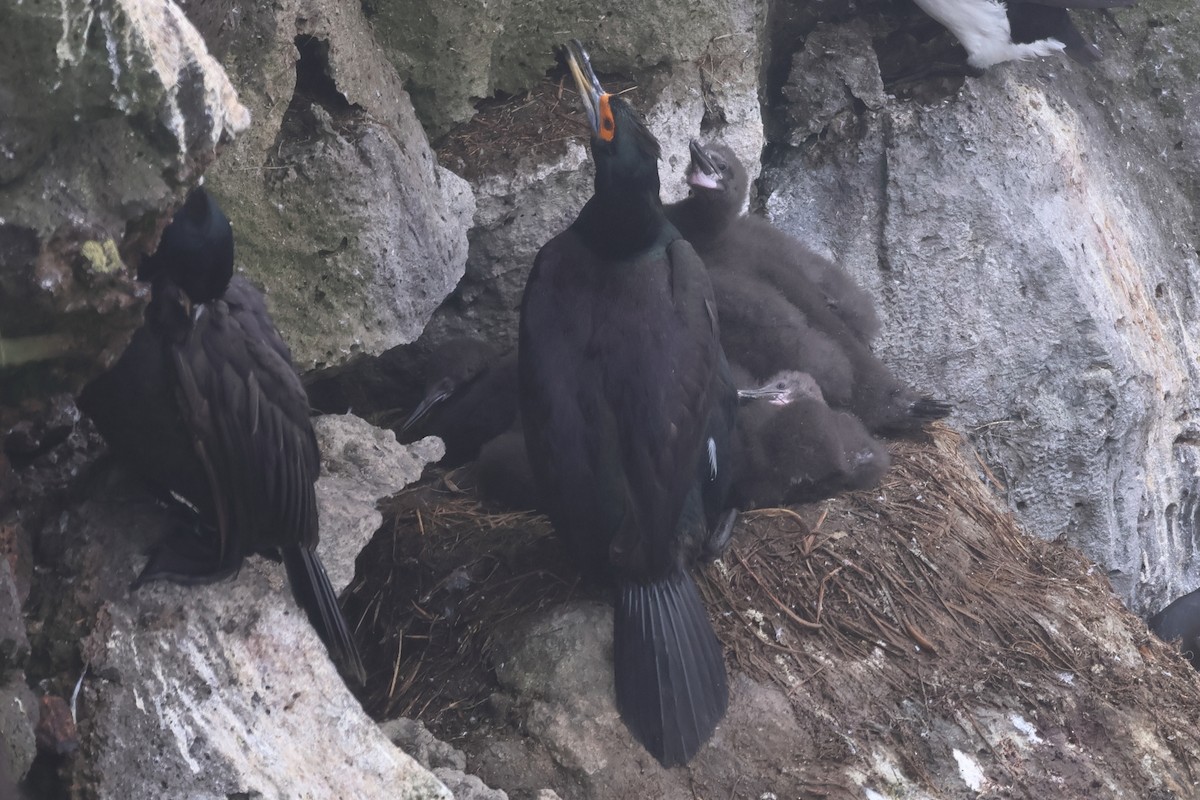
(608, 125)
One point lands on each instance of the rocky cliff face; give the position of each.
(1030, 235)
(108, 113)
(1032, 238)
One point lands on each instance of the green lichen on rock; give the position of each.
(102, 257)
(110, 110)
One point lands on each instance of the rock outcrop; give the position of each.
(340, 209)
(227, 684)
(1030, 238)
(109, 112)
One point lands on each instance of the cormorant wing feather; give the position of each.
(662, 468)
(248, 415)
(561, 405)
(615, 365)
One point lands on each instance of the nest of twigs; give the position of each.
(922, 590)
(440, 574)
(536, 124)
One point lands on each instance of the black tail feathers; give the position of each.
(313, 592)
(668, 666)
(927, 409)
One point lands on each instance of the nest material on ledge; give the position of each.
(535, 124)
(923, 591)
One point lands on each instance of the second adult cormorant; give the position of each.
(620, 374)
(206, 407)
(993, 32)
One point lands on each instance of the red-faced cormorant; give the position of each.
(470, 398)
(206, 406)
(993, 32)
(719, 186)
(791, 447)
(758, 272)
(1180, 622)
(620, 377)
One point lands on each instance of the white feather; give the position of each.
(982, 27)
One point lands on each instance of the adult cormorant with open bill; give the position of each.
(620, 376)
(206, 407)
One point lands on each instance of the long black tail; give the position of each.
(314, 593)
(669, 670)
(927, 409)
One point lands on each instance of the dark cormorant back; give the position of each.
(621, 389)
(206, 406)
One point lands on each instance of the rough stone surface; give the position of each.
(337, 202)
(467, 787)
(411, 736)
(1031, 241)
(513, 214)
(836, 68)
(445, 761)
(14, 645)
(452, 55)
(360, 464)
(108, 112)
(208, 691)
(18, 716)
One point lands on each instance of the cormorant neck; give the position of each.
(619, 224)
(703, 216)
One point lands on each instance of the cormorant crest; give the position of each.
(195, 251)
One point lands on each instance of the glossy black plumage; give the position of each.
(206, 406)
(620, 390)
(471, 398)
(790, 447)
(1180, 622)
(776, 314)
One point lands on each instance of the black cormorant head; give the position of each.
(625, 151)
(715, 172)
(196, 250)
(454, 364)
